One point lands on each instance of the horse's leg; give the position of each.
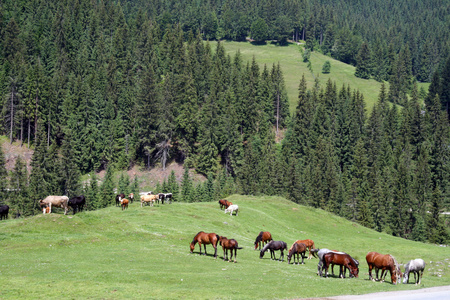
(235, 255)
(332, 269)
(282, 255)
(370, 272)
(319, 268)
(215, 250)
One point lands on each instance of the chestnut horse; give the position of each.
(262, 238)
(224, 203)
(297, 249)
(231, 245)
(205, 238)
(309, 245)
(383, 262)
(342, 259)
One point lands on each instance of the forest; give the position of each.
(108, 85)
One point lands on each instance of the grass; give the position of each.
(144, 253)
(291, 62)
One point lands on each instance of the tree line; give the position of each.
(104, 86)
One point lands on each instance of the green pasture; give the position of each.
(144, 253)
(291, 62)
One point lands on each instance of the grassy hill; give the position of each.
(144, 253)
(291, 62)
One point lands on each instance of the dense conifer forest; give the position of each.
(107, 85)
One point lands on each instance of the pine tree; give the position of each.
(187, 189)
(124, 184)
(172, 186)
(106, 193)
(93, 193)
(364, 62)
(20, 201)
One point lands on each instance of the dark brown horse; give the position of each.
(297, 249)
(274, 246)
(309, 245)
(263, 238)
(386, 262)
(342, 259)
(224, 203)
(231, 245)
(205, 238)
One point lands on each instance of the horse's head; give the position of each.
(261, 253)
(192, 246)
(221, 238)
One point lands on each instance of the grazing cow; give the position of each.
(58, 201)
(4, 211)
(46, 210)
(168, 197)
(131, 197)
(119, 198)
(124, 204)
(77, 203)
(149, 199)
(232, 208)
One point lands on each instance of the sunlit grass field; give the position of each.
(144, 253)
(291, 62)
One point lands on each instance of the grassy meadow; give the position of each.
(291, 62)
(144, 253)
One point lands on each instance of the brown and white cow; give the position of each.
(58, 201)
(149, 199)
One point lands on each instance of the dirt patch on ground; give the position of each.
(148, 178)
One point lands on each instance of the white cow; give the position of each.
(232, 208)
(58, 201)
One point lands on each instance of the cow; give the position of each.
(124, 204)
(131, 197)
(4, 211)
(119, 198)
(46, 210)
(149, 199)
(58, 201)
(77, 203)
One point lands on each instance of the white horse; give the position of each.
(232, 208)
(414, 266)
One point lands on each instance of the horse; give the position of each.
(4, 211)
(297, 249)
(131, 197)
(124, 203)
(205, 238)
(415, 266)
(148, 199)
(77, 203)
(309, 245)
(224, 203)
(320, 253)
(263, 238)
(119, 197)
(58, 201)
(229, 244)
(232, 208)
(383, 262)
(274, 246)
(341, 259)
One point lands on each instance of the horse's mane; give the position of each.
(396, 265)
(266, 246)
(259, 237)
(193, 240)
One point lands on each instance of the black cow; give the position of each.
(168, 197)
(119, 198)
(77, 203)
(4, 210)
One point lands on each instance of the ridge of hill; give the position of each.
(144, 253)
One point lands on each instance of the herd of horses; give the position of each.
(375, 261)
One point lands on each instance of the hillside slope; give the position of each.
(144, 253)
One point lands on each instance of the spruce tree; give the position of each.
(187, 189)
(364, 62)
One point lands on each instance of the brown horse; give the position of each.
(231, 245)
(309, 245)
(297, 249)
(383, 262)
(224, 203)
(205, 238)
(124, 204)
(263, 238)
(342, 259)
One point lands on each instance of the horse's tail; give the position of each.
(239, 247)
(218, 238)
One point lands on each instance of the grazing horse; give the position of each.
(58, 201)
(205, 238)
(383, 262)
(309, 245)
(341, 259)
(4, 211)
(224, 203)
(131, 197)
(297, 249)
(148, 199)
(232, 208)
(124, 204)
(77, 203)
(119, 198)
(263, 238)
(231, 245)
(274, 246)
(415, 266)
(320, 253)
